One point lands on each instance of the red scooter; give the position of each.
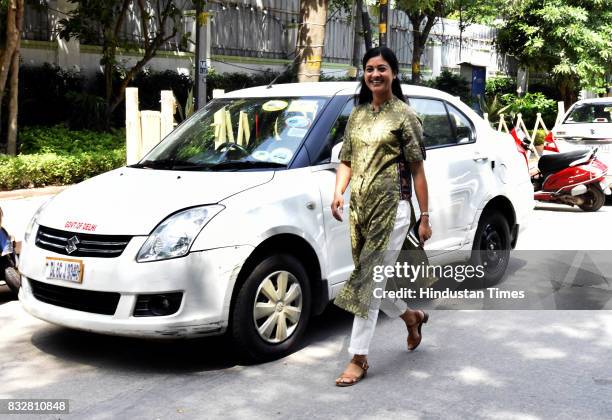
(574, 178)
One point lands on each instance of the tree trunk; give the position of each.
(358, 34)
(420, 37)
(311, 36)
(12, 36)
(11, 147)
(417, 51)
(367, 29)
(9, 63)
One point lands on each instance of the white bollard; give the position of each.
(560, 111)
(133, 138)
(168, 108)
(151, 129)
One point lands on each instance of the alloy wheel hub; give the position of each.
(277, 307)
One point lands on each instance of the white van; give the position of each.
(226, 224)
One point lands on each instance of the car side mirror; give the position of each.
(335, 153)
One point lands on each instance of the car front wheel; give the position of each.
(271, 309)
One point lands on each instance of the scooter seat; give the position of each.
(555, 162)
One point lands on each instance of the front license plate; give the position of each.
(64, 269)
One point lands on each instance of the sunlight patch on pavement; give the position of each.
(475, 376)
(531, 350)
(419, 374)
(318, 351)
(571, 332)
(508, 415)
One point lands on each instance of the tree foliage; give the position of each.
(422, 14)
(572, 39)
(101, 22)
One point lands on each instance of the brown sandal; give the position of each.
(423, 321)
(363, 364)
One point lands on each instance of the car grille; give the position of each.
(104, 303)
(81, 244)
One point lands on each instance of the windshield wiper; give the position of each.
(247, 164)
(169, 163)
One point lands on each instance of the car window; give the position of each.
(249, 131)
(461, 126)
(335, 134)
(590, 113)
(437, 130)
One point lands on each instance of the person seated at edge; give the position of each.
(382, 150)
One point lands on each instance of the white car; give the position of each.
(226, 224)
(587, 124)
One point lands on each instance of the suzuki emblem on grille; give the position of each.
(71, 246)
(592, 131)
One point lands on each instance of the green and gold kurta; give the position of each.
(374, 142)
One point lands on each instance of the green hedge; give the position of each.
(59, 139)
(58, 156)
(40, 170)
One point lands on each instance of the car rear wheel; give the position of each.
(271, 309)
(594, 199)
(492, 247)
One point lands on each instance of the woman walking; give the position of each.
(382, 151)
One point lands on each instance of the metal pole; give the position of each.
(201, 53)
(382, 26)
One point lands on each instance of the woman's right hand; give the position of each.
(337, 206)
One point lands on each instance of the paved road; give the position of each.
(502, 364)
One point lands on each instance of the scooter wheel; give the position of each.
(12, 279)
(594, 199)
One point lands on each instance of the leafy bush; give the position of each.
(61, 141)
(453, 84)
(539, 139)
(58, 156)
(39, 170)
(499, 86)
(529, 105)
(43, 94)
(50, 96)
(492, 107)
(150, 84)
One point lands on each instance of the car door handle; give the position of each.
(478, 157)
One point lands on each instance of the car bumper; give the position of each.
(205, 279)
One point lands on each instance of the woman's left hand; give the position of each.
(424, 230)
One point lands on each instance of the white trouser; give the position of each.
(363, 329)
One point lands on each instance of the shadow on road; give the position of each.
(166, 356)
(565, 209)
(6, 295)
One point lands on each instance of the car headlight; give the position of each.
(174, 236)
(33, 225)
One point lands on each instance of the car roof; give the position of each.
(594, 101)
(325, 89)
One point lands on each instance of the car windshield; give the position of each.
(237, 133)
(590, 113)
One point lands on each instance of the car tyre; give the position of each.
(272, 309)
(594, 199)
(12, 279)
(491, 247)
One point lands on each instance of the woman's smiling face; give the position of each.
(378, 76)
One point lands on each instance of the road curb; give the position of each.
(31, 192)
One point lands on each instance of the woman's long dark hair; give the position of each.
(365, 94)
